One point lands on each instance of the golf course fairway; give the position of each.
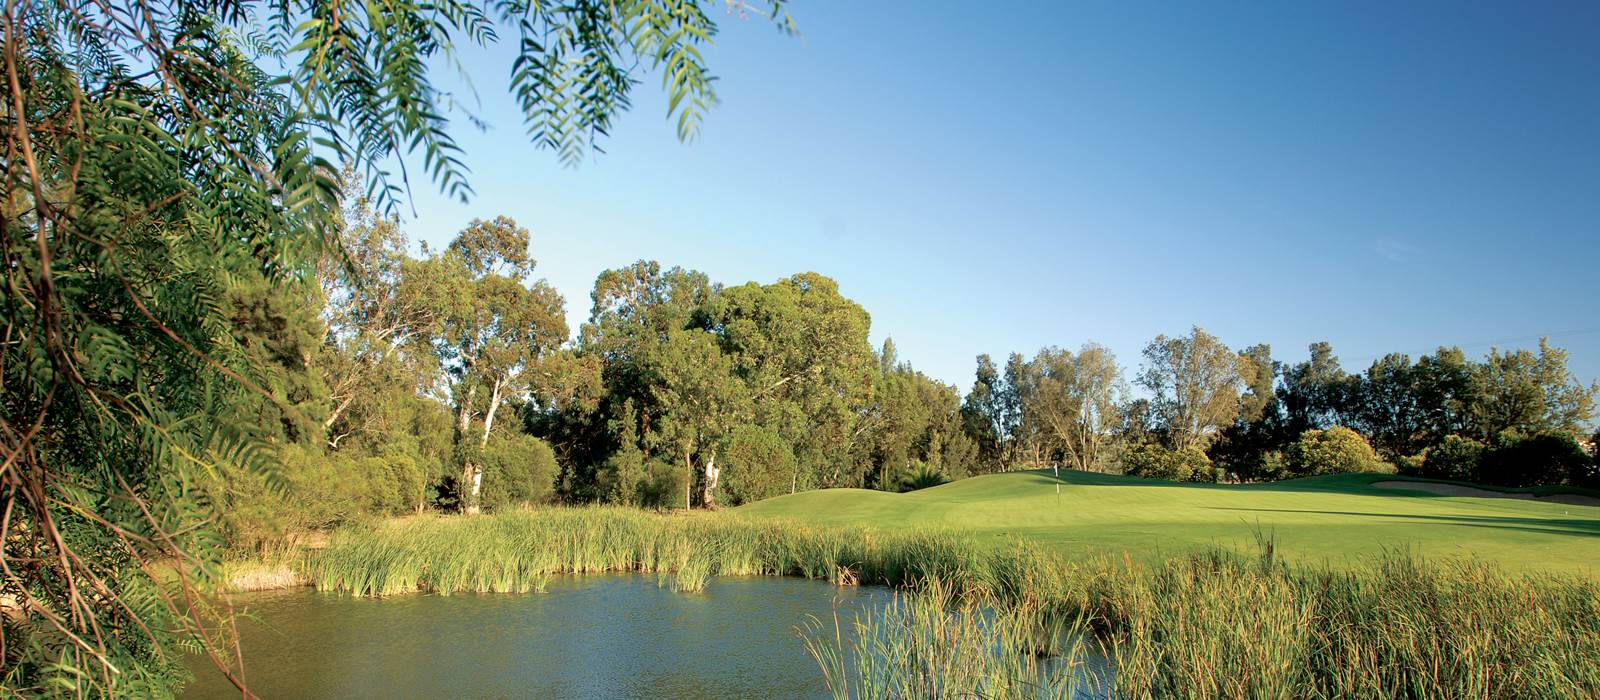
(1335, 519)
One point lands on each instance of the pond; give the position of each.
(612, 636)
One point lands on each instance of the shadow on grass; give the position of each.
(1549, 526)
(1346, 484)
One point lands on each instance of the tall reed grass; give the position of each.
(1211, 624)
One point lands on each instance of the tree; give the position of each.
(758, 464)
(379, 308)
(987, 413)
(157, 152)
(622, 477)
(1442, 386)
(1456, 458)
(493, 327)
(1195, 382)
(801, 350)
(518, 470)
(1530, 393)
(1074, 399)
(1247, 449)
(700, 399)
(1382, 403)
(914, 422)
(1157, 462)
(1337, 450)
(1544, 459)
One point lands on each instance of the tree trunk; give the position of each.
(688, 481)
(494, 405)
(471, 484)
(709, 495)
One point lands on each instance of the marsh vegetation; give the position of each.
(1214, 623)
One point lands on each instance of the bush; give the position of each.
(756, 464)
(664, 484)
(920, 475)
(1337, 450)
(1156, 462)
(517, 469)
(1544, 459)
(622, 477)
(1456, 458)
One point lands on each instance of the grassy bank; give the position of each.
(1334, 519)
(1202, 624)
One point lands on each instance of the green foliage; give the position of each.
(918, 476)
(166, 196)
(518, 469)
(1518, 461)
(1530, 393)
(1196, 382)
(1337, 450)
(665, 484)
(1157, 462)
(756, 464)
(1456, 458)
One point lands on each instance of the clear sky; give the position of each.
(996, 177)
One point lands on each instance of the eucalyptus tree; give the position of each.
(1195, 383)
(633, 309)
(494, 325)
(1314, 391)
(690, 376)
(1520, 390)
(158, 151)
(378, 304)
(1096, 390)
(801, 349)
(990, 412)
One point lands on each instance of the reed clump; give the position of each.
(1209, 624)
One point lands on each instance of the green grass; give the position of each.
(1338, 520)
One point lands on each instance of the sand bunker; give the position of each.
(1571, 499)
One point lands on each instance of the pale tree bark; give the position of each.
(712, 473)
(471, 475)
(474, 472)
(495, 397)
(688, 481)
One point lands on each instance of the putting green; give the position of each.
(1337, 519)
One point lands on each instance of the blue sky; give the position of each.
(996, 177)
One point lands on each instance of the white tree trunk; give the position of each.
(688, 481)
(494, 405)
(464, 411)
(712, 473)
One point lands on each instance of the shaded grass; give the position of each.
(1205, 624)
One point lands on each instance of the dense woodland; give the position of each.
(445, 379)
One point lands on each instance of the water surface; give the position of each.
(585, 637)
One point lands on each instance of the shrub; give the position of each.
(1455, 458)
(1337, 450)
(517, 469)
(756, 464)
(1412, 465)
(664, 484)
(920, 475)
(622, 477)
(1157, 462)
(1544, 459)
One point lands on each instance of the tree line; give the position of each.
(446, 379)
(1207, 412)
(400, 381)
